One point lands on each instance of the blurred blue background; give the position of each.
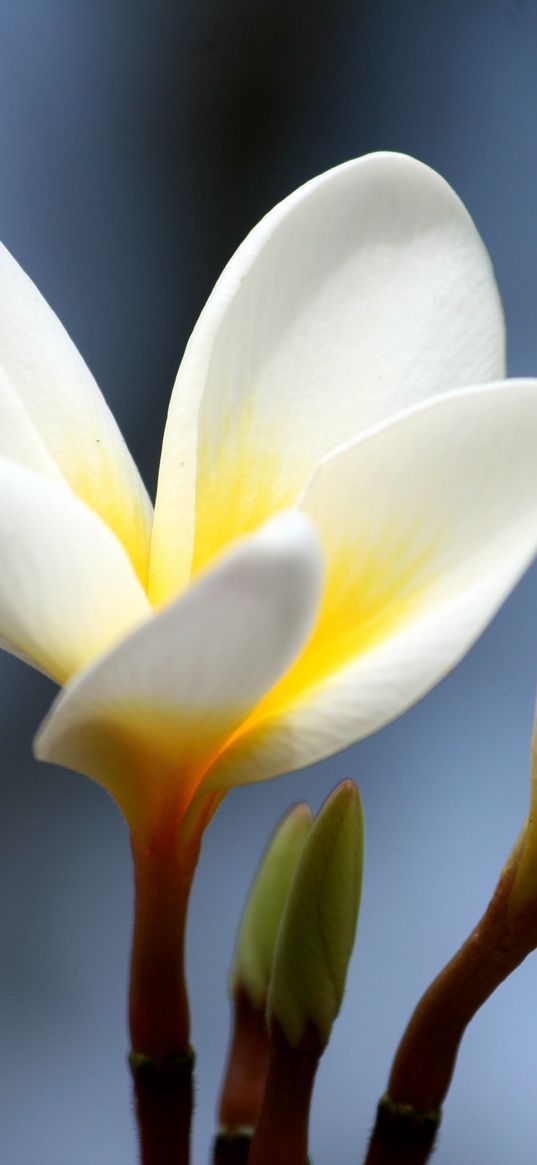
(138, 143)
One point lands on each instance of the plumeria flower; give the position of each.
(337, 518)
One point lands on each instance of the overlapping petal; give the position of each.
(317, 378)
(146, 720)
(19, 438)
(68, 412)
(365, 291)
(67, 588)
(426, 525)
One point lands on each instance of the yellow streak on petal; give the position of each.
(242, 481)
(371, 590)
(120, 508)
(150, 759)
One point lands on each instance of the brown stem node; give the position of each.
(231, 1148)
(163, 1099)
(402, 1134)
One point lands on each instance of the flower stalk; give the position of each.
(159, 1018)
(161, 1059)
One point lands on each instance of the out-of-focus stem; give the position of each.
(244, 1081)
(409, 1115)
(231, 1148)
(402, 1135)
(247, 1066)
(281, 1136)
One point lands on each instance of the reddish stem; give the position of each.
(247, 1066)
(158, 1005)
(281, 1136)
(409, 1115)
(159, 1018)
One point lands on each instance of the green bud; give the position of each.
(318, 926)
(252, 963)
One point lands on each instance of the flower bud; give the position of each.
(252, 964)
(318, 926)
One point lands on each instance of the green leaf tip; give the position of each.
(252, 963)
(318, 926)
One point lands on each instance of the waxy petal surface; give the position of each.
(68, 591)
(19, 438)
(147, 719)
(69, 413)
(364, 292)
(426, 525)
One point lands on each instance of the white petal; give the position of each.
(19, 438)
(148, 718)
(67, 588)
(426, 526)
(364, 292)
(69, 412)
